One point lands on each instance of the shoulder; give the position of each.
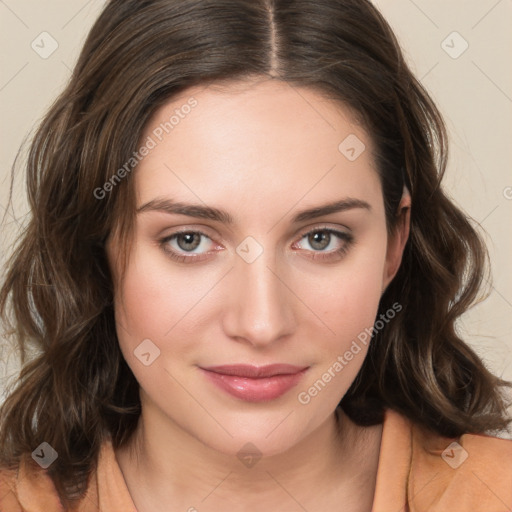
(425, 472)
(27, 488)
(472, 472)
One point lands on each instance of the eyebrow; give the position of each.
(211, 213)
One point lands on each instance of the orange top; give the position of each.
(417, 472)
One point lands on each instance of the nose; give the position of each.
(260, 309)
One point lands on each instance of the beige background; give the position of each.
(474, 92)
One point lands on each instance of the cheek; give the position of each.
(347, 296)
(142, 310)
(160, 302)
(151, 305)
(148, 304)
(347, 303)
(153, 297)
(358, 297)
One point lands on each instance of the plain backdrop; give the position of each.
(459, 49)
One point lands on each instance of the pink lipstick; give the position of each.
(255, 383)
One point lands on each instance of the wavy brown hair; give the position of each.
(58, 291)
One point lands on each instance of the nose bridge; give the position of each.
(260, 309)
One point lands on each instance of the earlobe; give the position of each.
(396, 242)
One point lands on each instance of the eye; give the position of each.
(323, 238)
(189, 246)
(186, 242)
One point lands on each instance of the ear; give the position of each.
(397, 241)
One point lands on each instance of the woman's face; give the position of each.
(253, 279)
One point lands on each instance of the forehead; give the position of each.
(255, 144)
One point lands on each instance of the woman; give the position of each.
(301, 353)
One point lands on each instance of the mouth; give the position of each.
(255, 384)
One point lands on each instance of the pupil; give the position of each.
(189, 239)
(318, 244)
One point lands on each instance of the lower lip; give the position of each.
(255, 390)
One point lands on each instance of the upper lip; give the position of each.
(247, 370)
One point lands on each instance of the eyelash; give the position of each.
(317, 255)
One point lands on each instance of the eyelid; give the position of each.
(327, 227)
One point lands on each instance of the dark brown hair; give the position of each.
(58, 292)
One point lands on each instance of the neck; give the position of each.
(170, 466)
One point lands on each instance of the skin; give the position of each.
(262, 151)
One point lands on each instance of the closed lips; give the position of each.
(256, 372)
